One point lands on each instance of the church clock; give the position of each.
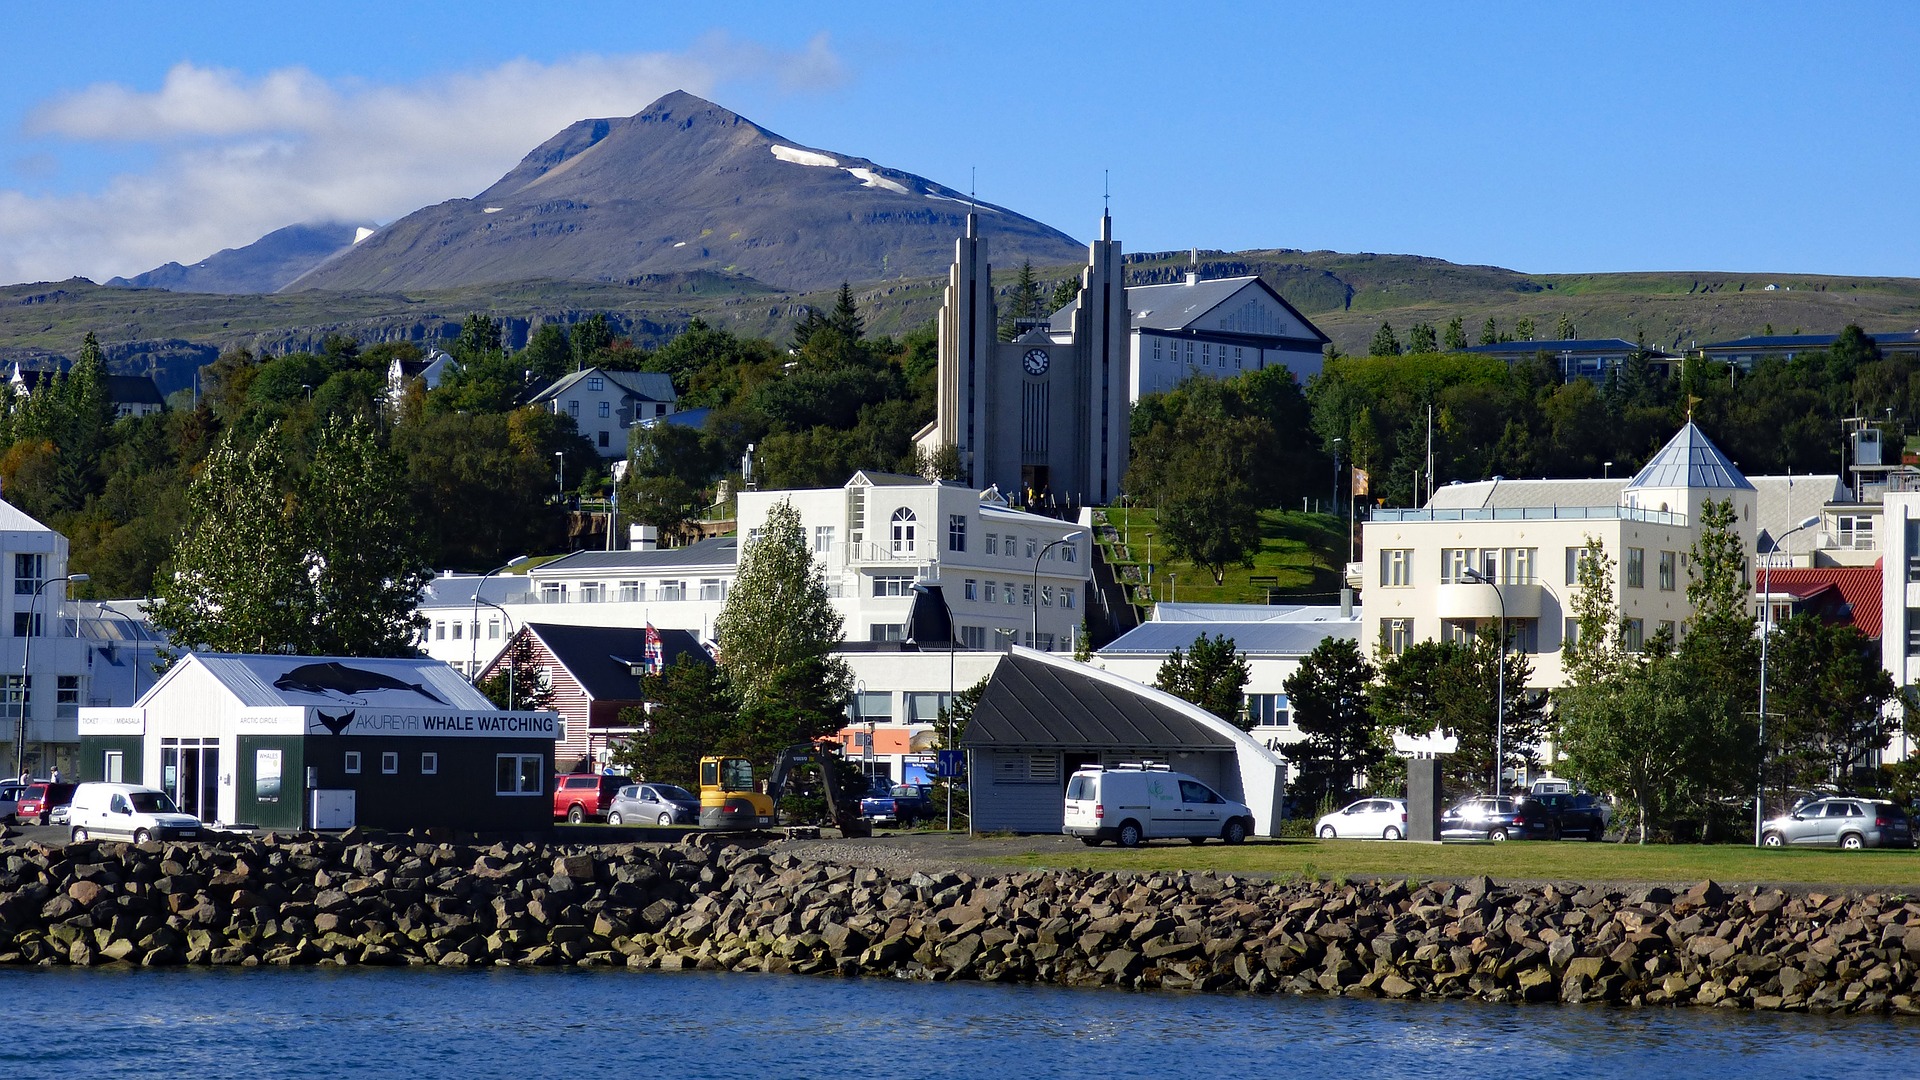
(1035, 361)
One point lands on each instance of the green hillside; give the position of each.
(1300, 561)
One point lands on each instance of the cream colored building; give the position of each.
(1418, 576)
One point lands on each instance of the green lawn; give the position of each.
(1361, 860)
(1301, 555)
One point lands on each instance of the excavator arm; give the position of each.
(845, 818)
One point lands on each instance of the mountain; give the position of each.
(261, 267)
(685, 185)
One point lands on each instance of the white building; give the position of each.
(604, 404)
(40, 648)
(1215, 329)
(429, 371)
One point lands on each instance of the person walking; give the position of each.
(56, 774)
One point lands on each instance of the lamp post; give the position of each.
(1336, 474)
(613, 508)
(560, 474)
(1067, 539)
(1499, 680)
(473, 652)
(26, 660)
(1766, 631)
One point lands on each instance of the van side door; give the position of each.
(1204, 809)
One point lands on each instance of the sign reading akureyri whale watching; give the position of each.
(364, 721)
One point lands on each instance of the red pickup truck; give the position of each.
(583, 796)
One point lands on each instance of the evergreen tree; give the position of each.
(1212, 674)
(518, 683)
(479, 335)
(1384, 343)
(1565, 330)
(1066, 292)
(1831, 702)
(1329, 695)
(779, 628)
(1523, 330)
(548, 354)
(1456, 335)
(1490, 333)
(690, 713)
(1594, 654)
(1024, 303)
(1421, 339)
(846, 317)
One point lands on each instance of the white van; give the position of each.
(1129, 804)
(128, 811)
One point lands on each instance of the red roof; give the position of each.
(1859, 586)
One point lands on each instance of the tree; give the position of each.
(690, 714)
(1490, 333)
(1024, 303)
(1384, 343)
(1197, 462)
(846, 317)
(777, 634)
(1832, 703)
(1594, 654)
(589, 338)
(548, 354)
(1212, 674)
(1456, 335)
(519, 684)
(1634, 735)
(1564, 331)
(1066, 292)
(479, 334)
(362, 547)
(1329, 695)
(1421, 339)
(1523, 329)
(1451, 686)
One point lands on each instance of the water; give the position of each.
(512, 1023)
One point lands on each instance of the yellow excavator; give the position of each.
(730, 800)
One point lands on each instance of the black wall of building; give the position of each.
(459, 794)
(265, 805)
(93, 758)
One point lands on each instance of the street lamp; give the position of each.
(1499, 680)
(473, 652)
(26, 659)
(1766, 631)
(923, 588)
(613, 508)
(1336, 474)
(560, 473)
(1067, 539)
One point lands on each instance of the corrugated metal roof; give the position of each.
(1690, 460)
(1859, 586)
(1252, 638)
(646, 385)
(720, 551)
(456, 590)
(1512, 494)
(266, 681)
(1030, 702)
(1606, 346)
(1781, 502)
(1245, 613)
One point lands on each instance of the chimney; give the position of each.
(1346, 603)
(1193, 266)
(643, 538)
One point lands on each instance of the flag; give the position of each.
(1359, 481)
(656, 654)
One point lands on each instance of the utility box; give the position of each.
(333, 808)
(1423, 798)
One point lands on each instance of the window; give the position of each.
(1043, 642)
(991, 592)
(1636, 575)
(519, 774)
(1668, 561)
(429, 763)
(66, 697)
(1156, 348)
(596, 382)
(1189, 352)
(605, 410)
(29, 572)
(113, 766)
(1524, 635)
(553, 592)
(971, 589)
(591, 592)
(1046, 596)
(1633, 634)
(1066, 597)
(822, 539)
(974, 638)
(493, 628)
(630, 592)
(1576, 558)
(713, 588)
(439, 631)
(457, 627)
(27, 623)
(1068, 554)
(1570, 633)
(573, 409)
(1033, 547)
(389, 761)
(1026, 594)
(1667, 628)
(1239, 354)
(1396, 567)
(902, 534)
(1459, 631)
(350, 764)
(1517, 565)
(1267, 710)
(672, 590)
(266, 775)
(924, 708)
(1206, 354)
(891, 585)
(1006, 593)
(1454, 563)
(871, 707)
(993, 543)
(956, 532)
(1396, 635)
(886, 632)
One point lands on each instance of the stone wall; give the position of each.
(711, 905)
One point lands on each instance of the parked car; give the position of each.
(1572, 815)
(10, 792)
(662, 804)
(1368, 819)
(128, 811)
(1131, 804)
(582, 796)
(903, 803)
(1496, 818)
(1840, 822)
(41, 796)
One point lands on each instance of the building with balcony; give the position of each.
(44, 668)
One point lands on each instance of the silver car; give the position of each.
(661, 804)
(1840, 822)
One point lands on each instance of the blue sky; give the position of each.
(1760, 137)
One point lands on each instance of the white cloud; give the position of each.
(235, 157)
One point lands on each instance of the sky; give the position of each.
(1754, 137)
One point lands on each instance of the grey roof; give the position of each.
(718, 551)
(1690, 460)
(261, 681)
(1807, 341)
(1252, 638)
(875, 478)
(1506, 494)
(601, 658)
(456, 590)
(1781, 502)
(1577, 346)
(1169, 612)
(645, 385)
(134, 390)
(1031, 702)
(1174, 305)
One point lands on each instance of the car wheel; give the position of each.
(575, 814)
(1235, 832)
(1853, 842)
(141, 836)
(665, 818)
(1773, 839)
(1129, 834)
(1196, 841)
(614, 818)
(1327, 833)
(79, 836)
(1497, 835)
(1390, 833)
(1596, 832)
(1090, 841)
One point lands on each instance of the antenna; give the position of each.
(1106, 191)
(972, 182)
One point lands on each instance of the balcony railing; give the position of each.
(1534, 513)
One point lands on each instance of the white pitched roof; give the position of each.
(270, 680)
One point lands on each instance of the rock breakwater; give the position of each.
(708, 904)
